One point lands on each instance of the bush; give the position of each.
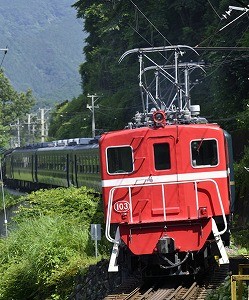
(82, 204)
(242, 189)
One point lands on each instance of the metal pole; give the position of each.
(93, 112)
(179, 100)
(43, 122)
(96, 241)
(93, 118)
(187, 94)
(42, 126)
(18, 133)
(29, 121)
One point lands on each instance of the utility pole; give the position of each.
(31, 127)
(18, 133)
(17, 140)
(92, 107)
(43, 121)
(29, 123)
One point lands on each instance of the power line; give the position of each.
(214, 10)
(242, 3)
(151, 23)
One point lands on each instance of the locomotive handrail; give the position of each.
(129, 187)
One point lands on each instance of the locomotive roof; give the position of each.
(170, 128)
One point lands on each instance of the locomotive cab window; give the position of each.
(204, 153)
(119, 160)
(162, 156)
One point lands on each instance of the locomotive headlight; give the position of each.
(159, 117)
(203, 213)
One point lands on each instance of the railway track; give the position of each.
(154, 291)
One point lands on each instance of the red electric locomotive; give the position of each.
(166, 186)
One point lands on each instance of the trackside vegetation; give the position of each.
(49, 243)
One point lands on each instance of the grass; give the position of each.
(50, 244)
(42, 256)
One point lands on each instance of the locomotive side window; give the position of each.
(161, 156)
(204, 153)
(119, 160)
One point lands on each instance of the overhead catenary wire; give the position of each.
(244, 13)
(242, 3)
(135, 30)
(217, 30)
(209, 39)
(225, 60)
(214, 9)
(151, 23)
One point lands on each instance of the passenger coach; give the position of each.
(43, 167)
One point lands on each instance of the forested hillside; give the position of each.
(45, 42)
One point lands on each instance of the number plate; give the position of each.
(121, 206)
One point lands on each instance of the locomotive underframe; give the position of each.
(175, 263)
(167, 259)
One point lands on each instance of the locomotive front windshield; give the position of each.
(119, 160)
(204, 153)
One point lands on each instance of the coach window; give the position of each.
(161, 156)
(204, 153)
(119, 160)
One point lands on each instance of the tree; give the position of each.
(70, 120)
(13, 106)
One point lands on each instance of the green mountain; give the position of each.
(45, 42)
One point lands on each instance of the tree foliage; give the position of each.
(13, 106)
(70, 119)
